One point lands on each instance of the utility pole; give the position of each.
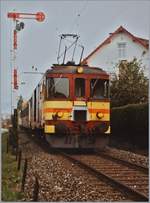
(18, 26)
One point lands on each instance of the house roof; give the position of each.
(143, 42)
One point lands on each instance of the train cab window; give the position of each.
(99, 89)
(57, 87)
(79, 87)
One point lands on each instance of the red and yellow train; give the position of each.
(70, 107)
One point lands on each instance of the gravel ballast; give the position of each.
(129, 156)
(61, 180)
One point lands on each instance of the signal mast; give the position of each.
(18, 26)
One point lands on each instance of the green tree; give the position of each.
(129, 86)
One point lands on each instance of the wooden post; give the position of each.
(17, 154)
(24, 175)
(19, 159)
(17, 145)
(7, 145)
(36, 190)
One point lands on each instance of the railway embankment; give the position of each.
(51, 177)
(35, 173)
(11, 177)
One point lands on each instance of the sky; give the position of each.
(38, 42)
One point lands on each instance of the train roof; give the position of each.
(72, 69)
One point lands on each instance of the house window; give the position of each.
(122, 50)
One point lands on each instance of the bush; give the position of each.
(130, 85)
(130, 123)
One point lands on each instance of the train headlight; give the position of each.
(60, 114)
(99, 115)
(80, 69)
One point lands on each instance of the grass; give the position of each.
(11, 177)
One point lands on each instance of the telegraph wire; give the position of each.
(79, 14)
(74, 24)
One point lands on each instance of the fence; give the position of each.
(13, 143)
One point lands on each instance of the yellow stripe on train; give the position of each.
(57, 104)
(98, 105)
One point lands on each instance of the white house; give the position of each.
(120, 45)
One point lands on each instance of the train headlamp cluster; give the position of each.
(80, 70)
(99, 115)
(59, 114)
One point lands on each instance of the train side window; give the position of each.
(79, 87)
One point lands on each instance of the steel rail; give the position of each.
(136, 166)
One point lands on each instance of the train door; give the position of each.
(80, 112)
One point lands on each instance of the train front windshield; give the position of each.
(80, 87)
(57, 88)
(99, 89)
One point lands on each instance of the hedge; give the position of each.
(130, 123)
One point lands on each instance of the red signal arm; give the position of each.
(39, 16)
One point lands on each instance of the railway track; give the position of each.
(125, 176)
(130, 164)
(130, 180)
